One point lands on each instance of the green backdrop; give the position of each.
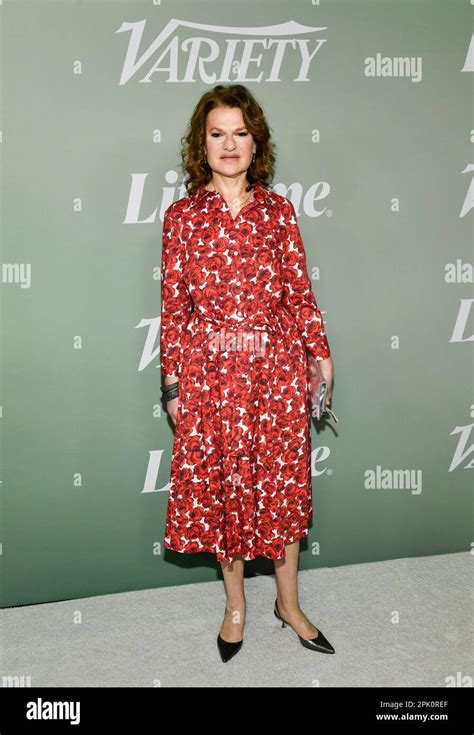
(370, 105)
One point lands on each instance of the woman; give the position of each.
(238, 315)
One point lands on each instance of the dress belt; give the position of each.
(246, 324)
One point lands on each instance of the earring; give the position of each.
(253, 159)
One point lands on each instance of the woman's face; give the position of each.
(228, 144)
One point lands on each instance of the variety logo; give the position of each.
(179, 56)
(463, 454)
(468, 202)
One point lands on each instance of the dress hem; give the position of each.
(220, 557)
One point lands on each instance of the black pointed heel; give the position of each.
(227, 649)
(320, 643)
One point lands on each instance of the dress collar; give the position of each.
(261, 194)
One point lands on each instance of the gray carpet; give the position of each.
(167, 637)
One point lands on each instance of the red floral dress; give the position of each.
(237, 316)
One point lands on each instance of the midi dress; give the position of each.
(238, 316)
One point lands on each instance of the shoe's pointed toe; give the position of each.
(320, 643)
(227, 649)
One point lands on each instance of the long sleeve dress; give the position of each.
(237, 316)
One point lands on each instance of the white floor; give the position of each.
(401, 623)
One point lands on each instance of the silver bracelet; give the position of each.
(171, 386)
(170, 394)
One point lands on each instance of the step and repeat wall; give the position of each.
(370, 106)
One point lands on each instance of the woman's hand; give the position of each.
(327, 370)
(172, 408)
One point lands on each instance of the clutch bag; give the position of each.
(317, 389)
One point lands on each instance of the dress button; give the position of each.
(236, 478)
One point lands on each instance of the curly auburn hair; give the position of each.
(193, 158)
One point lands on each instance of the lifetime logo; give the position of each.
(225, 60)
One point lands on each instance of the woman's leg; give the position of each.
(234, 618)
(286, 572)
